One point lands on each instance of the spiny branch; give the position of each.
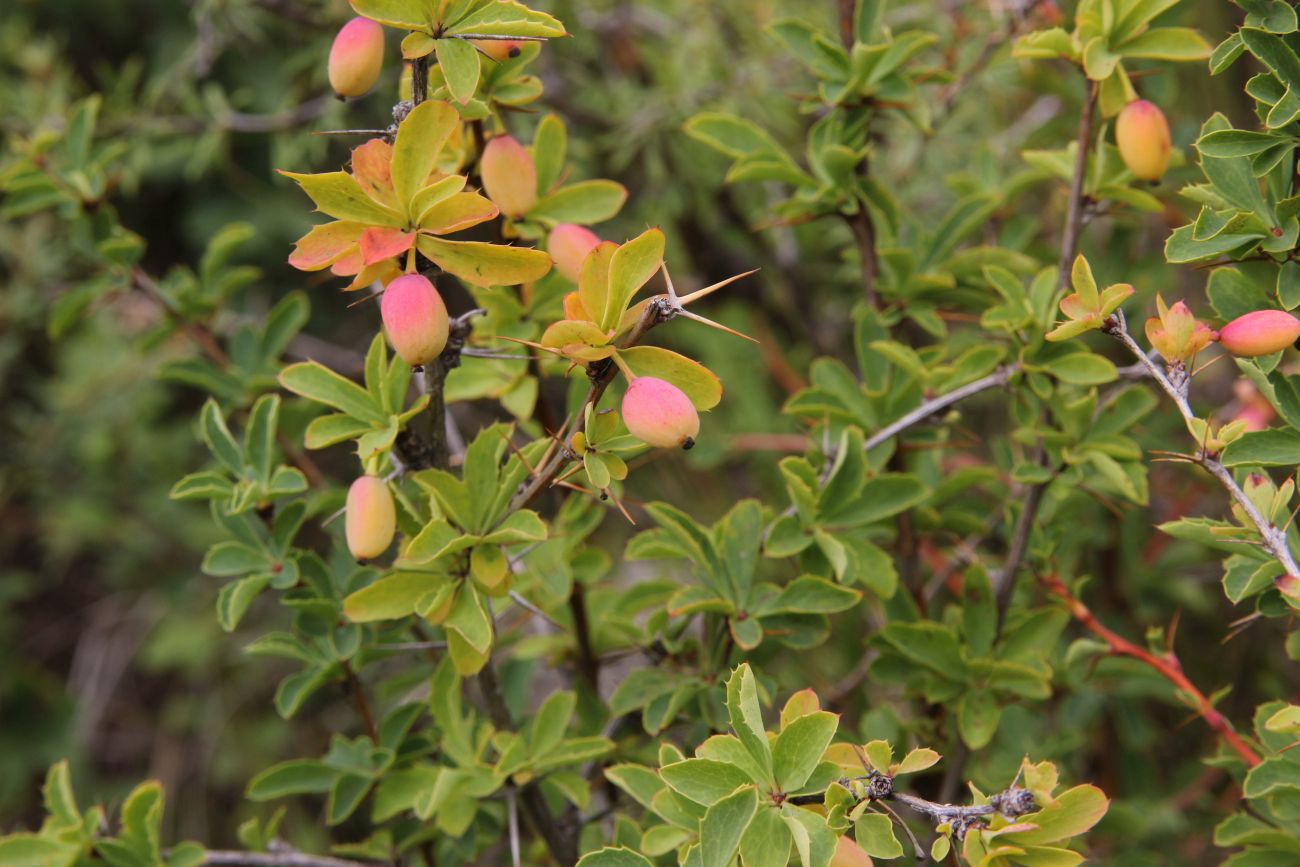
(1274, 538)
(1166, 665)
(657, 310)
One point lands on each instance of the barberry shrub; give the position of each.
(879, 651)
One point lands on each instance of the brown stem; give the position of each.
(358, 691)
(845, 10)
(1074, 211)
(588, 662)
(1006, 579)
(561, 837)
(419, 79)
(1166, 665)
(864, 233)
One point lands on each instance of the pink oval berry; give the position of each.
(371, 519)
(356, 57)
(569, 245)
(415, 319)
(509, 176)
(1142, 134)
(1261, 332)
(660, 414)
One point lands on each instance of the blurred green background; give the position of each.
(110, 653)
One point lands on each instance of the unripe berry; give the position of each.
(1261, 332)
(660, 414)
(356, 57)
(415, 319)
(371, 518)
(509, 176)
(499, 49)
(1142, 134)
(569, 245)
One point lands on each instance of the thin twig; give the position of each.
(1074, 211)
(997, 378)
(234, 858)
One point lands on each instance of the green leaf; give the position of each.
(507, 18)
(1167, 43)
(585, 202)
(799, 747)
(460, 67)
(731, 135)
(235, 597)
(724, 824)
(391, 597)
(610, 857)
(234, 558)
(297, 777)
(766, 842)
(700, 385)
(1266, 448)
(218, 438)
(631, 266)
(1082, 368)
(259, 439)
(550, 142)
(704, 781)
(1072, 813)
(809, 594)
(746, 716)
(402, 14)
(317, 382)
(469, 620)
(814, 842)
(29, 850)
(978, 714)
(419, 140)
(484, 264)
(1237, 143)
(874, 832)
(339, 195)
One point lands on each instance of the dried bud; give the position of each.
(569, 245)
(1142, 134)
(1176, 334)
(415, 319)
(1261, 332)
(660, 414)
(356, 57)
(509, 176)
(371, 518)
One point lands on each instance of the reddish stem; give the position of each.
(1166, 665)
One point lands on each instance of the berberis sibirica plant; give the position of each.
(864, 655)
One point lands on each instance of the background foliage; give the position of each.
(112, 655)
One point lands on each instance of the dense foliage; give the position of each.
(731, 446)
